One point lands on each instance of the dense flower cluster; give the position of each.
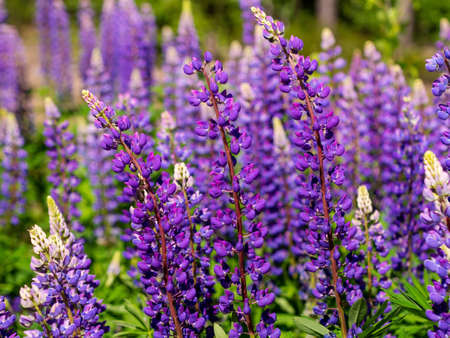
(7, 319)
(163, 232)
(437, 242)
(13, 179)
(247, 233)
(324, 228)
(60, 299)
(440, 62)
(61, 149)
(55, 49)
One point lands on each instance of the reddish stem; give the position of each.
(162, 236)
(237, 207)
(331, 244)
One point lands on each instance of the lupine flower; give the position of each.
(7, 319)
(187, 38)
(331, 63)
(177, 300)
(368, 221)
(61, 150)
(437, 243)
(13, 179)
(99, 169)
(10, 62)
(226, 179)
(108, 35)
(87, 35)
(147, 49)
(248, 20)
(440, 62)
(323, 208)
(61, 297)
(60, 72)
(43, 26)
(97, 78)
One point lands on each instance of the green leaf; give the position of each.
(357, 312)
(283, 303)
(310, 326)
(219, 332)
(372, 319)
(135, 312)
(286, 320)
(416, 295)
(123, 323)
(370, 331)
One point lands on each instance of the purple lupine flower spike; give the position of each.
(97, 77)
(60, 48)
(87, 35)
(13, 179)
(61, 150)
(248, 20)
(147, 49)
(108, 35)
(10, 71)
(367, 221)
(187, 39)
(323, 208)
(437, 242)
(7, 319)
(440, 63)
(178, 301)
(226, 179)
(61, 297)
(43, 25)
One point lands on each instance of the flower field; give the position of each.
(182, 193)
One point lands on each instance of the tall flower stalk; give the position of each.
(61, 149)
(161, 230)
(315, 137)
(225, 178)
(13, 178)
(61, 297)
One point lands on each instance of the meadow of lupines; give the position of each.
(269, 194)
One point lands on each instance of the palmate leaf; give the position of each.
(310, 326)
(284, 304)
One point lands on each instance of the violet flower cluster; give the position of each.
(11, 64)
(248, 20)
(7, 320)
(127, 42)
(55, 49)
(61, 149)
(437, 243)
(87, 35)
(13, 177)
(440, 62)
(61, 297)
(323, 208)
(240, 222)
(178, 294)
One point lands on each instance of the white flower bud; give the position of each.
(327, 39)
(38, 239)
(280, 139)
(363, 200)
(182, 176)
